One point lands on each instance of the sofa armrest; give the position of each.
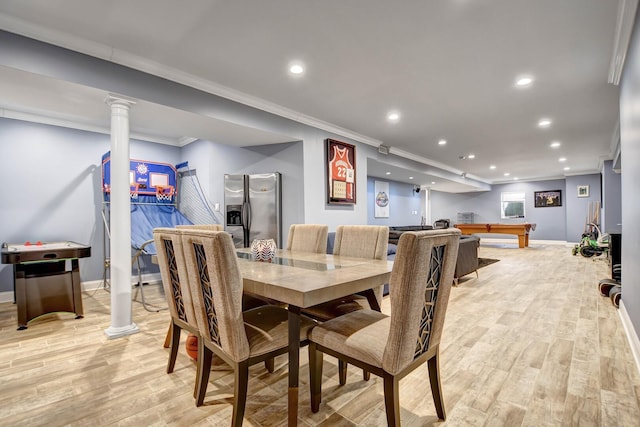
(467, 261)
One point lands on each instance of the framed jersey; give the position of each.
(341, 172)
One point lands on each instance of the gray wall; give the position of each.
(403, 200)
(611, 198)
(564, 222)
(51, 187)
(578, 207)
(630, 149)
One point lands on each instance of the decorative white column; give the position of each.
(120, 221)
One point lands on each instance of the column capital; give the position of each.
(114, 99)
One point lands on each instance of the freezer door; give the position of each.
(234, 202)
(265, 205)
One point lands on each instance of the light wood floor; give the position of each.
(530, 342)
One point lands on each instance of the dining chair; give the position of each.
(168, 243)
(393, 346)
(308, 238)
(239, 338)
(212, 227)
(359, 241)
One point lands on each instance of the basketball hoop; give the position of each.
(164, 193)
(133, 191)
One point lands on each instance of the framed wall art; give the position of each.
(381, 203)
(341, 172)
(583, 191)
(545, 199)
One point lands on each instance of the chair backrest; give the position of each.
(210, 227)
(362, 241)
(174, 274)
(308, 238)
(419, 290)
(216, 287)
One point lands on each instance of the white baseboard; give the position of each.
(632, 335)
(91, 285)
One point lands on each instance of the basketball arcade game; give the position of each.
(153, 191)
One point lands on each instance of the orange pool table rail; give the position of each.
(520, 230)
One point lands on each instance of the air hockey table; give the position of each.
(46, 277)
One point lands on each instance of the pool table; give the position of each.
(520, 230)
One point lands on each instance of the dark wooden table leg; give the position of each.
(294, 364)
(371, 299)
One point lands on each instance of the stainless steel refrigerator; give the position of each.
(253, 208)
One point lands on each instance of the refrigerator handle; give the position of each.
(246, 216)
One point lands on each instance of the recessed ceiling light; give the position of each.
(393, 116)
(433, 182)
(296, 68)
(442, 142)
(555, 144)
(410, 177)
(567, 168)
(471, 156)
(524, 81)
(515, 178)
(492, 167)
(387, 173)
(507, 174)
(544, 123)
(562, 159)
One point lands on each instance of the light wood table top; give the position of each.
(301, 280)
(306, 279)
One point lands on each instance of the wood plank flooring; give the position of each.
(528, 343)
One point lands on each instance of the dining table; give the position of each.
(301, 280)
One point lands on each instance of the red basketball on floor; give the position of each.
(192, 346)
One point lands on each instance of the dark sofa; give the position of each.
(396, 231)
(467, 261)
(467, 257)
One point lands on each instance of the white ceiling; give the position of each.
(448, 67)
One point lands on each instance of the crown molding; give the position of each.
(74, 124)
(442, 166)
(624, 27)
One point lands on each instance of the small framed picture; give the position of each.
(583, 191)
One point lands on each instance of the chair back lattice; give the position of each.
(430, 299)
(419, 287)
(207, 294)
(168, 242)
(216, 287)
